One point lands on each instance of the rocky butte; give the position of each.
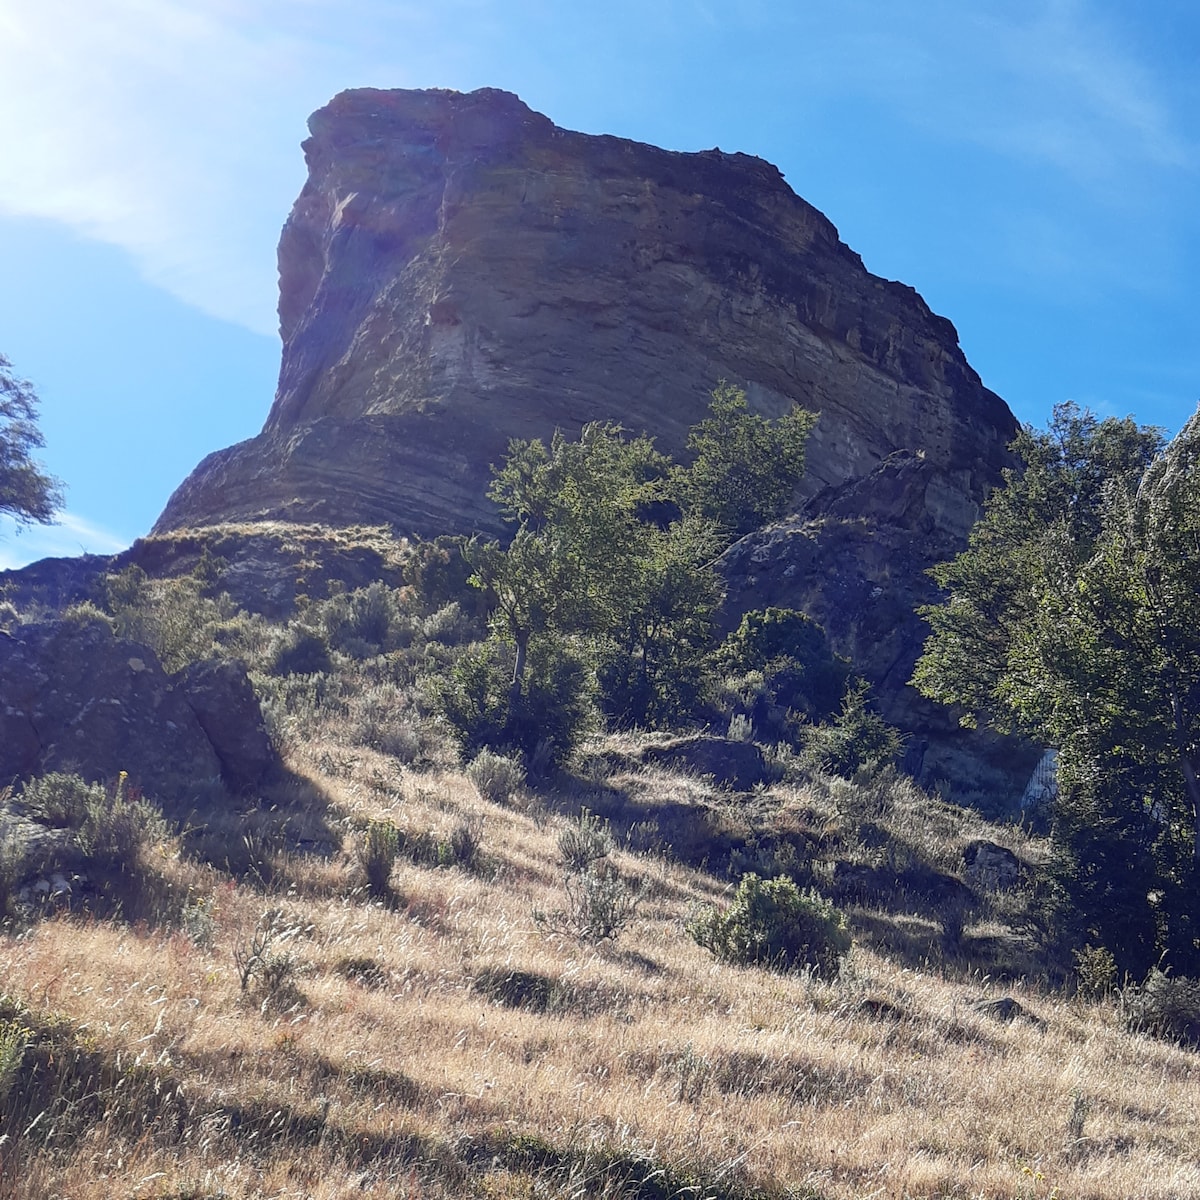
(459, 271)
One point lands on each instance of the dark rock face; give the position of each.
(75, 698)
(855, 559)
(736, 765)
(218, 691)
(458, 271)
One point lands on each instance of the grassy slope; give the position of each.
(445, 1045)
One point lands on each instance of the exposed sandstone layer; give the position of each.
(457, 271)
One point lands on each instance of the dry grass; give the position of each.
(444, 1045)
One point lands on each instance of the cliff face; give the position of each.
(457, 271)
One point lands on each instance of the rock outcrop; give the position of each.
(855, 559)
(75, 698)
(458, 271)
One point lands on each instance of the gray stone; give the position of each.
(989, 867)
(457, 271)
(736, 765)
(218, 691)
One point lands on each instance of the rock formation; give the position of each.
(75, 698)
(458, 271)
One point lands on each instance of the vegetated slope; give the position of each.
(444, 1042)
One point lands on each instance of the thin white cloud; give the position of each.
(1045, 82)
(70, 536)
(170, 127)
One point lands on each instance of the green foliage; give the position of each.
(584, 842)
(542, 723)
(175, 617)
(1095, 972)
(495, 777)
(1035, 532)
(300, 651)
(745, 468)
(111, 825)
(1164, 1006)
(364, 622)
(27, 493)
(773, 923)
(791, 652)
(593, 556)
(1074, 617)
(377, 850)
(60, 799)
(857, 737)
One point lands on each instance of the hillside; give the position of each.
(377, 972)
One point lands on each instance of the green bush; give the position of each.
(792, 654)
(542, 724)
(176, 618)
(59, 799)
(365, 622)
(377, 851)
(584, 842)
(1165, 1006)
(300, 651)
(857, 737)
(110, 824)
(773, 923)
(495, 777)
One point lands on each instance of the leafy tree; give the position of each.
(1055, 501)
(799, 669)
(1088, 567)
(588, 560)
(27, 493)
(745, 468)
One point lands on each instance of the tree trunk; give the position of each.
(521, 637)
(1193, 792)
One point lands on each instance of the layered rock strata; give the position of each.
(458, 271)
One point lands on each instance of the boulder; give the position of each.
(458, 271)
(736, 765)
(73, 697)
(989, 867)
(219, 693)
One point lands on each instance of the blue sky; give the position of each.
(1029, 166)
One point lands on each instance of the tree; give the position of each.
(27, 493)
(745, 468)
(595, 573)
(1074, 617)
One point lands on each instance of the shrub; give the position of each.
(377, 851)
(601, 903)
(772, 923)
(60, 799)
(117, 824)
(857, 737)
(265, 961)
(1165, 1006)
(174, 617)
(110, 824)
(791, 654)
(365, 622)
(462, 847)
(300, 651)
(543, 724)
(1095, 972)
(495, 776)
(584, 842)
